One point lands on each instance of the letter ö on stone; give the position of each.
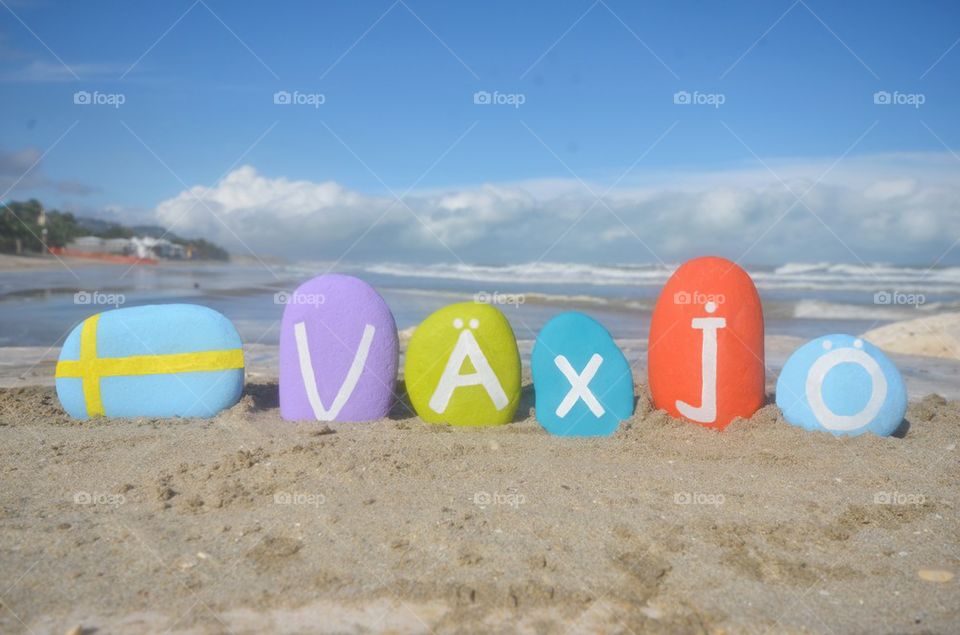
(338, 346)
(169, 360)
(844, 385)
(463, 367)
(591, 401)
(705, 352)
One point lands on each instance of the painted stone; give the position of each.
(705, 353)
(844, 385)
(168, 360)
(582, 381)
(463, 367)
(338, 352)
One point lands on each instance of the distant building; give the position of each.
(149, 247)
(87, 243)
(139, 246)
(117, 246)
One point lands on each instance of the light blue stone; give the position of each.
(844, 385)
(570, 404)
(149, 331)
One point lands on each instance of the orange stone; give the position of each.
(705, 354)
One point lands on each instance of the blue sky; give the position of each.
(597, 81)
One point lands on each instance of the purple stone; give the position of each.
(338, 352)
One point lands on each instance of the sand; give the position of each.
(249, 524)
(12, 262)
(936, 336)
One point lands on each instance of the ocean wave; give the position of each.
(821, 276)
(821, 310)
(538, 272)
(568, 300)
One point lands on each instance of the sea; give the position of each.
(39, 307)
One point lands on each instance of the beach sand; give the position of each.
(246, 524)
(936, 336)
(11, 262)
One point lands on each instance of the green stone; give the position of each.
(463, 367)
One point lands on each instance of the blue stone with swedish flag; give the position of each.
(168, 360)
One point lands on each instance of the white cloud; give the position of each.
(43, 71)
(885, 190)
(21, 172)
(900, 208)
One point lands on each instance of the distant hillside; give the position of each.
(20, 231)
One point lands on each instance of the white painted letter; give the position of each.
(346, 388)
(814, 388)
(467, 348)
(579, 385)
(707, 411)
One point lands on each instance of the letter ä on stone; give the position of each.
(168, 360)
(705, 352)
(463, 367)
(338, 352)
(844, 385)
(583, 383)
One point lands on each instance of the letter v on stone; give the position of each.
(346, 388)
(579, 385)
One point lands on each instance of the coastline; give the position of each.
(247, 523)
(12, 262)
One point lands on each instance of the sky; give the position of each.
(491, 132)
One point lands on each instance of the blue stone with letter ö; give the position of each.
(844, 385)
(582, 381)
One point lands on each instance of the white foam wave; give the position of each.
(821, 310)
(539, 272)
(791, 276)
